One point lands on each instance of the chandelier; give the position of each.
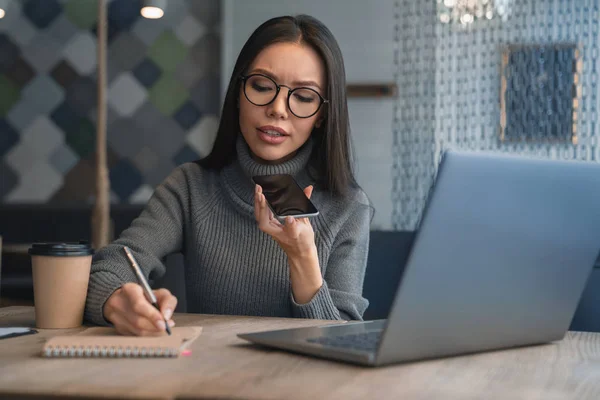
(466, 13)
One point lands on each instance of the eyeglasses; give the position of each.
(261, 90)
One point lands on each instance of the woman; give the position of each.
(285, 111)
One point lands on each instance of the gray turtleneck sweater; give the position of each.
(231, 267)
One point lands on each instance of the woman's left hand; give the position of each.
(296, 237)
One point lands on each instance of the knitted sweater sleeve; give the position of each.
(340, 296)
(156, 233)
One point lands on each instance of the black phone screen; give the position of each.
(284, 195)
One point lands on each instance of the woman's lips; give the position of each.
(272, 135)
(267, 128)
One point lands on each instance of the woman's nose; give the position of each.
(278, 108)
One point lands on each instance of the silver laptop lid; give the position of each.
(501, 259)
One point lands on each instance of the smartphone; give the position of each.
(285, 197)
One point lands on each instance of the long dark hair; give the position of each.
(331, 159)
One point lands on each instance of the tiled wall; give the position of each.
(450, 88)
(163, 96)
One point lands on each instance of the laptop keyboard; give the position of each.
(365, 341)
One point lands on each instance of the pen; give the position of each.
(144, 283)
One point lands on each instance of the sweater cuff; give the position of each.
(321, 306)
(101, 286)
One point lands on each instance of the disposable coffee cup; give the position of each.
(61, 272)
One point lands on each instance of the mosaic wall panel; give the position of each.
(163, 96)
(450, 78)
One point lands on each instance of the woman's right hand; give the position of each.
(132, 314)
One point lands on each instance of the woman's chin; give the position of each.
(271, 156)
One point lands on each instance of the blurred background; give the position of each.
(166, 78)
(517, 76)
(163, 96)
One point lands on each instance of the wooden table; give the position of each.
(225, 367)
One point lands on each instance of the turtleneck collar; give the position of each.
(237, 177)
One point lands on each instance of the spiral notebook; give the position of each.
(106, 342)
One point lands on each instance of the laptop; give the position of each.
(501, 258)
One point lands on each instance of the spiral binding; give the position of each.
(108, 351)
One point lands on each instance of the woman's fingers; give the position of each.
(266, 222)
(257, 191)
(166, 302)
(142, 316)
(131, 313)
(308, 191)
(291, 227)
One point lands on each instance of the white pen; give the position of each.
(144, 283)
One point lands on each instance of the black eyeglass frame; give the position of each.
(322, 100)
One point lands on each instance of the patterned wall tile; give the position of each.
(23, 31)
(122, 14)
(190, 30)
(78, 184)
(52, 96)
(141, 195)
(64, 74)
(168, 95)
(43, 52)
(81, 53)
(125, 179)
(207, 12)
(175, 13)
(8, 137)
(20, 157)
(126, 51)
(82, 137)
(205, 95)
(9, 52)
(62, 29)
(167, 51)
(207, 44)
(156, 175)
(42, 12)
(82, 13)
(113, 198)
(202, 136)
(112, 71)
(147, 73)
(12, 16)
(187, 115)
(147, 30)
(20, 72)
(166, 138)
(21, 115)
(63, 158)
(81, 95)
(125, 137)
(42, 138)
(189, 72)
(38, 183)
(156, 73)
(126, 95)
(9, 94)
(148, 117)
(145, 160)
(65, 117)
(8, 179)
(186, 154)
